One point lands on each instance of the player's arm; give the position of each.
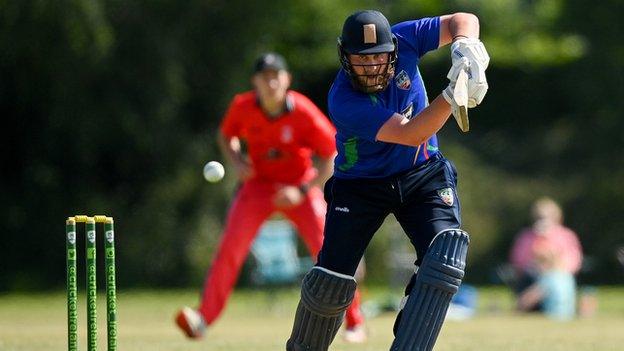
(231, 150)
(229, 142)
(458, 25)
(325, 167)
(400, 130)
(320, 138)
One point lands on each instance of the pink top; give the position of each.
(567, 244)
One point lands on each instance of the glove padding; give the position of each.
(470, 52)
(448, 96)
(448, 93)
(456, 94)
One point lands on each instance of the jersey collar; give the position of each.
(289, 105)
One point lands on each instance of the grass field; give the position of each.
(258, 320)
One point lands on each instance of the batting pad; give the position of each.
(437, 280)
(325, 295)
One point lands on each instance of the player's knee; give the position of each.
(327, 293)
(446, 260)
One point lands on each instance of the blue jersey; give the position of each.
(359, 116)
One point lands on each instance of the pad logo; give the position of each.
(446, 195)
(402, 80)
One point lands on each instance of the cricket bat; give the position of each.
(460, 95)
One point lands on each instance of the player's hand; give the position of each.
(244, 169)
(288, 196)
(448, 93)
(472, 53)
(448, 96)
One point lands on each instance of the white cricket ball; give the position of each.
(213, 171)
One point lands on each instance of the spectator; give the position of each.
(549, 230)
(555, 289)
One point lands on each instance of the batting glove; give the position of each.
(448, 96)
(470, 52)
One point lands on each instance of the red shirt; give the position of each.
(564, 241)
(281, 147)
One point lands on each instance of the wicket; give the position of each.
(72, 286)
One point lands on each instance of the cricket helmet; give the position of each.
(363, 33)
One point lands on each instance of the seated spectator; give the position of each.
(554, 289)
(547, 227)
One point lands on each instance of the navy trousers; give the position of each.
(423, 200)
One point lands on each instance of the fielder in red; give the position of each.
(283, 130)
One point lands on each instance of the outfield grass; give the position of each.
(256, 320)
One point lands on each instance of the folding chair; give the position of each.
(275, 254)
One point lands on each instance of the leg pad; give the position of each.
(325, 295)
(437, 280)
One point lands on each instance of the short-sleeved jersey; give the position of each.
(280, 147)
(359, 116)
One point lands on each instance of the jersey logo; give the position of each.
(342, 209)
(446, 195)
(402, 80)
(287, 134)
(407, 112)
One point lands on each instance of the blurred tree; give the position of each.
(113, 106)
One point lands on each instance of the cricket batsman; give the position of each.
(282, 130)
(389, 162)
